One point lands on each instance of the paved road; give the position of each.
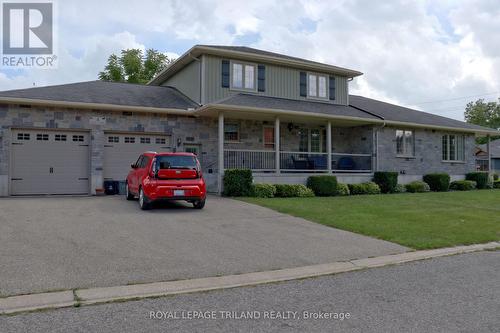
(70, 242)
(450, 294)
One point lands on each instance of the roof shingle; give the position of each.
(103, 92)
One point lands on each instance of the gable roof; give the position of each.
(249, 54)
(104, 92)
(395, 114)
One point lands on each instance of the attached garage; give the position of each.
(49, 162)
(122, 149)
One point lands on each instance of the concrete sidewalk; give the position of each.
(127, 292)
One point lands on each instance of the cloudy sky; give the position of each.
(431, 55)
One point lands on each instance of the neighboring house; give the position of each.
(482, 156)
(236, 107)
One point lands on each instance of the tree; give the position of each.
(485, 114)
(133, 67)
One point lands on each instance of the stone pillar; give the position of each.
(220, 153)
(329, 146)
(277, 144)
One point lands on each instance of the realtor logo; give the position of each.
(28, 30)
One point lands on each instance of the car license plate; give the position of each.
(178, 193)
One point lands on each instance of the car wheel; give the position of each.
(128, 195)
(199, 204)
(143, 201)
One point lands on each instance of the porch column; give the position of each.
(329, 146)
(277, 144)
(220, 153)
(488, 140)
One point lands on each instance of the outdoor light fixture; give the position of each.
(290, 127)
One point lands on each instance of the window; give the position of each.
(268, 137)
(78, 138)
(160, 141)
(404, 143)
(312, 85)
(129, 139)
(113, 139)
(191, 149)
(317, 86)
(42, 137)
(453, 147)
(315, 141)
(23, 136)
(60, 137)
(243, 76)
(238, 76)
(249, 77)
(145, 140)
(231, 132)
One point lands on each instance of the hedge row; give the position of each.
(238, 182)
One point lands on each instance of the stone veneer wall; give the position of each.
(428, 155)
(203, 132)
(200, 131)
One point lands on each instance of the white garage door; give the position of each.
(122, 150)
(49, 162)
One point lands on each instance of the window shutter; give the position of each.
(332, 88)
(225, 74)
(303, 84)
(261, 78)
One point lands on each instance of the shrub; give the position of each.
(496, 184)
(343, 190)
(438, 182)
(400, 188)
(237, 182)
(417, 187)
(293, 190)
(495, 177)
(463, 185)
(481, 179)
(364, 188)
(323, 186)
(386, 180)
(263, 190)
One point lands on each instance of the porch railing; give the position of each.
(257, 160)
(303, 161)
(264, 160)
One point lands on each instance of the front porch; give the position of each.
(290, 149)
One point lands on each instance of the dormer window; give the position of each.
(243, 76)
(317, 86)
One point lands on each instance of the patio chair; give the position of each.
(346, 163)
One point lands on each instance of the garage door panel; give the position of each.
(49, 162)
(122, 150)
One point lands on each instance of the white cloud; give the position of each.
(410, 51)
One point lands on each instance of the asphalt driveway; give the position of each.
(51, 243)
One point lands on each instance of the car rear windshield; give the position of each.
(176, 162)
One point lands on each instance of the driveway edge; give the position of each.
(14, 304)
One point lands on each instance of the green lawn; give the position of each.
(419, 221)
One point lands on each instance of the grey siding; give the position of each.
(428, 154)
(280, 82)
(188, 81)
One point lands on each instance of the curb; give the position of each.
(51, 300)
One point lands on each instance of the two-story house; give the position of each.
(235, 107)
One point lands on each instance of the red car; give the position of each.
(166, 176)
